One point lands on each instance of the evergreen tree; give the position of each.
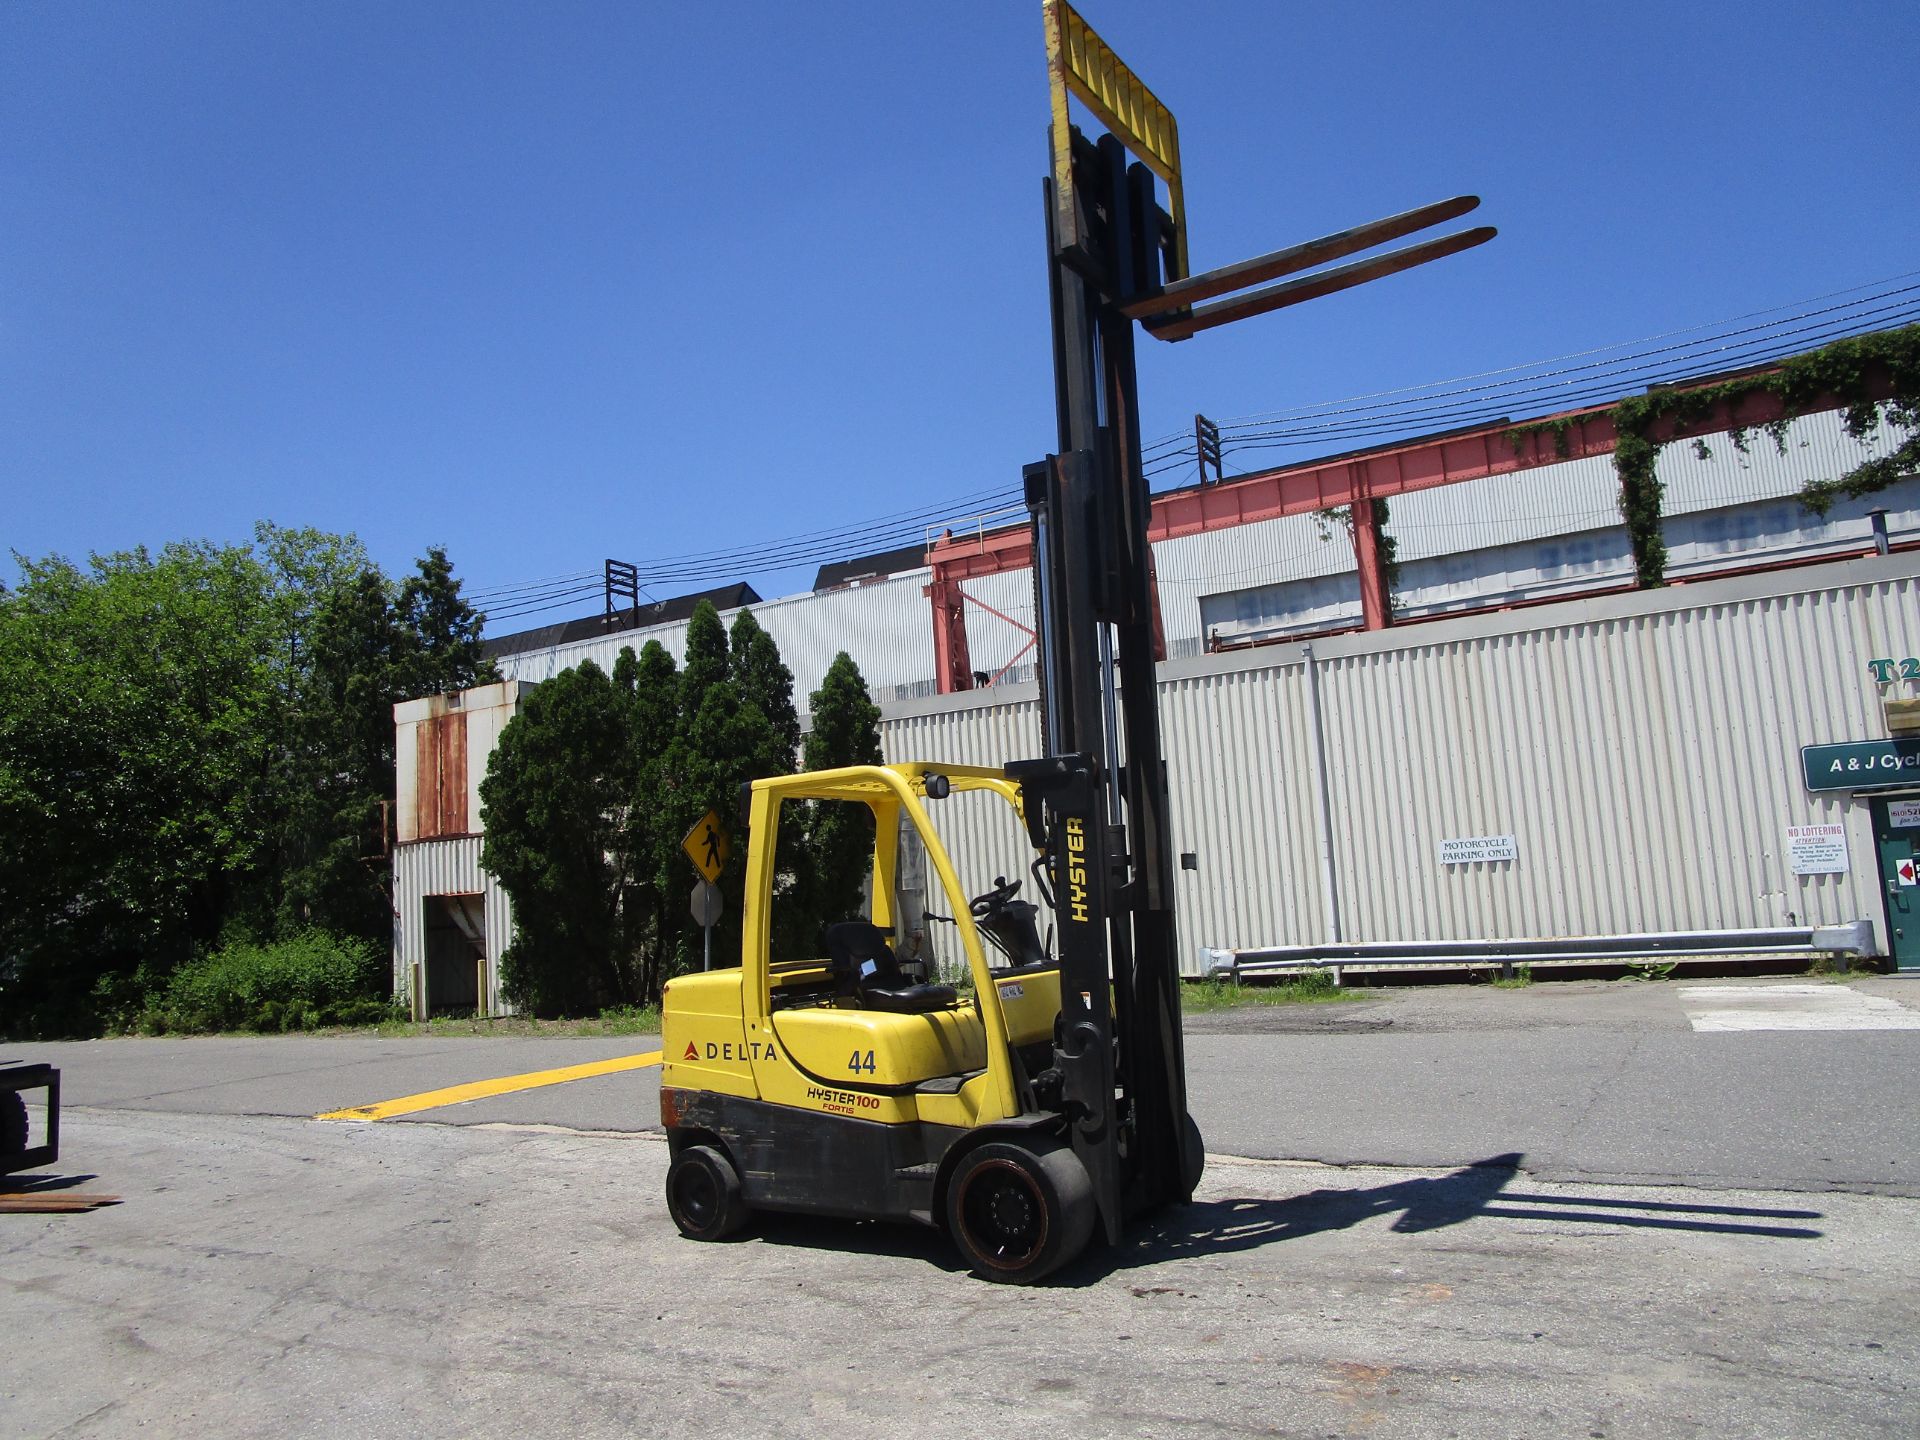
(765, 681)
(720, 740)
(445, 629)
(706, 656)
(839, 840)
(658, 901)
(332, 870)
(589, 849)
(369, 646)
(554, 805)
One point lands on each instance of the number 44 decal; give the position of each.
(861, 1061)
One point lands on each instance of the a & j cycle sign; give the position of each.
(1861, 764)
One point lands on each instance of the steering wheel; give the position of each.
(1002, 892)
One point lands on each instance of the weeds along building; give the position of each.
(1523, 744)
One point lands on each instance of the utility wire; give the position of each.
(1622, 369)
(1463, 401)
(1603, 388)
(1353, 421)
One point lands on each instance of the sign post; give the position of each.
(705, 907)
(707, 846)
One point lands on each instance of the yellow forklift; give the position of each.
(1046, 1097)
(842, 1085)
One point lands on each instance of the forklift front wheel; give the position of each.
(703, 1194)
(1019, 1214)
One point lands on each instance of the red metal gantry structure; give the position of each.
(1354, 480)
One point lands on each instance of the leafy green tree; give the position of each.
(554, 805)
(137, 702)
(193, 748)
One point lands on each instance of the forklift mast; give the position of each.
(1102, 788)
(1096, 802)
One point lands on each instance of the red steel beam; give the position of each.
(952, 662)
(1376, 597)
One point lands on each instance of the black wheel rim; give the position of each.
(699, 1195)
(1004, 1214)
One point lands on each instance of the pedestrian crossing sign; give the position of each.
(706, 845)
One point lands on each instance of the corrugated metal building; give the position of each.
(1635, 751)
(451, 922)
(1641, 750)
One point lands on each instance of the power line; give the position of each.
(1547, 390)
(1465, 400)
(1622, 368)
(1495, 408)
(544, 580)
(1797, 306)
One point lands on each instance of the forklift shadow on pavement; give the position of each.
(1477, 1191)
(1481, 1190)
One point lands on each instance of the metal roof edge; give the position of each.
(1557, 615)
(1561, 615)
(960, 700)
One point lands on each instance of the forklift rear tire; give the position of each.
(1196, 1156)
(703, 1194)
(13, 1123)
(1018, 1214)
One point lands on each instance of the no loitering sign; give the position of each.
(1817, 849)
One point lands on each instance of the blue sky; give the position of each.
(550, 283)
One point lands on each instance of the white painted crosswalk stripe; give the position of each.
(1793, 1007)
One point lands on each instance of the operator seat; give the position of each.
(864, 968)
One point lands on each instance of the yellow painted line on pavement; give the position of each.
(481, 1089)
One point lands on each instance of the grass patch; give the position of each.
(1309, 987)
(1521, 978)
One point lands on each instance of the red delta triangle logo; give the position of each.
(1907, 875)
(693, 1052)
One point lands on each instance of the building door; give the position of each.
(456, 935)
(1896, 834)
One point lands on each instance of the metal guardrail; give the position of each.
(1851, 939)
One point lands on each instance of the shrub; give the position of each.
(312, 979)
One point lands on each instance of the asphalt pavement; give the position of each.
(1586, 1080)
(1470, 1263)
